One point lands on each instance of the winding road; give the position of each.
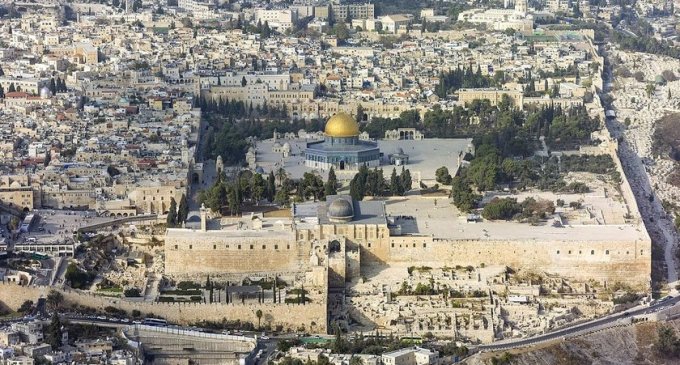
(580, 329)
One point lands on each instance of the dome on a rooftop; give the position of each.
(342, 125)
(340, 210)
(45, 92)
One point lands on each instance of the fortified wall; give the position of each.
(203, 252)
(311, 316)
(606, 261)
(603, 261)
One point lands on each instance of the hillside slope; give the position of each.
(618, 346)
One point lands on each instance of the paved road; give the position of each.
(269, 349)
(592, 326)
(151, 290)
(659, 226)
(59, 272)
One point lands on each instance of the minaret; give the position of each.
(219, 165)
(204, 218)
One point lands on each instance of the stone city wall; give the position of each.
(291, 316)
(603, 261)
(219, 254)
(626, 262)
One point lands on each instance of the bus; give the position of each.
(38, 256)
(412, 340)
(155, 322)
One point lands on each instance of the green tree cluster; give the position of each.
(228, 143)
(571, 128)
(443, 176)
(53, 332)
(311, 186)
(463, 197)
(239, 109)
(378, 126)
(247, 186)
(667, 343)
(54, 300)
(646, 44)
(530, 209)
(132, 292)
(57, 86)
(78, 278)
(369, 182)
(462, 78)
(26, 306)
(501, 208)
(263, 29)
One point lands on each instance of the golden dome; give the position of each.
(342, 125)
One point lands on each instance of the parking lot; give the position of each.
(58, 225)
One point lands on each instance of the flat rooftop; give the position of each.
(271, 228)
(365, 212)
(438, 218)
(425, 157)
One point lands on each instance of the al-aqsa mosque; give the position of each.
(341, 148)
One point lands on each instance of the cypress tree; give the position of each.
(53, 87)
(171, 219)
(266, 31)
(53, 335)
(271, 186)
(395, 183)
(330, 187)
(274, 289)
(183, 211)
(405, 180)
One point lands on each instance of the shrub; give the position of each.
(501, 208)
(626, 298)
(442, 176)
(186, 285)
(667, 343)
(577, 188)
(25, 306)
(79, 279)
(132, 293)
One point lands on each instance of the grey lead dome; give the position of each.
(341, 210)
